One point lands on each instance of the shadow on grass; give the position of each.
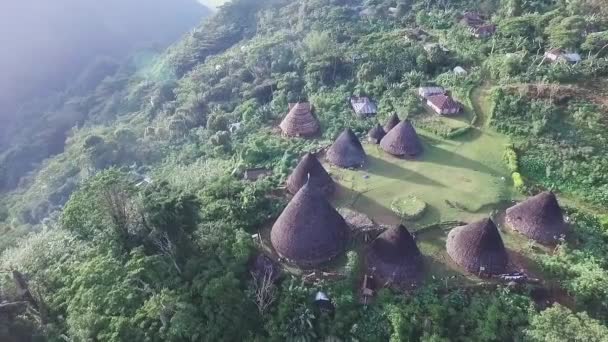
(442, 156)
(445, 274)
(380, 167)
(376, 211)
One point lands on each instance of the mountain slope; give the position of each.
(50, 42)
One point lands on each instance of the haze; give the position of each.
(47, 43)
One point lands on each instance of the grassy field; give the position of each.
(460, 180)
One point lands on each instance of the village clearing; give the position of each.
(461, 180)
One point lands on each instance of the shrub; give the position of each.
(518, 181)
(409, 208)
(510, 157)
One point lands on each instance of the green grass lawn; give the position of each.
(460, 180)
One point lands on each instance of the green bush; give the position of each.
(510, 157)
(518, 181)
(409, 208)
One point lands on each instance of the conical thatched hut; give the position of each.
(394, 257)
(402, 140)
(478, 248)
(309, 166)
(300, 121)
(346, 151)
(391, 123)
(539, 218)
(309, 231)
(376, 134)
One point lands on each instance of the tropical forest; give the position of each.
(304, 170)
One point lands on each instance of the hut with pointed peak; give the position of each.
(376, 134)
(392, 121)
(309, 231)
(346, 151)
(394, 258)
(539, 218)
(309, 169)
(478, 248)
(402, 141)
(300, 121)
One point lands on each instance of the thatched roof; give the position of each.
(300, 121)
(309, 231)
(376, 134)
(539, 218)
(309, 165)
(391, 122)
(346, 151)
(478, 247)
(393, 256)
(402, 140)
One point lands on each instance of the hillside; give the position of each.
(46, 51)
(50, 60)
(167, 209)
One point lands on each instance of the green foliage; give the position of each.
(560, 147)
(510, 157)
(166, 261)
(566, 32)
(101, 208)
(518, 181)
(582, 268)
(596, 42)
(560, 324)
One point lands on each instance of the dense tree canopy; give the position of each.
(143, 228)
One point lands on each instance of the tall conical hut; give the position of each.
(346, 151)
(376, 134)
(402, 141)
(309, 231)
(394, 259)
(392, 121)
(309, 169)
(539, 218)
(300, 121)
(478, 248)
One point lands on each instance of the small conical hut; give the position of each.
(309, 231)
(539, 217)
(394, 258)
(309, 166)
(391, 123)
(346, 151)
(478, 248)
(300, 121)
(376, 134)
(402, 140)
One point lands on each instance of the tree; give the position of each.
(104, 208)
(558, 324)
(597, 43)
(566, 33)
(170, 217)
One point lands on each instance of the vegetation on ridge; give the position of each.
(142, 228)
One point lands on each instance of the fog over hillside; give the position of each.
(48, 43)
